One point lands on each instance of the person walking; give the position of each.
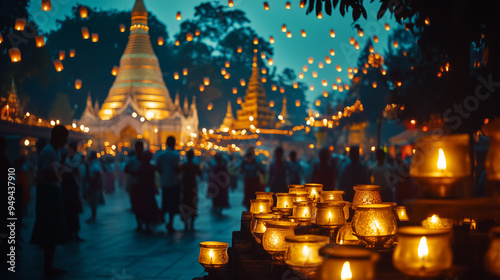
(189, 203)
(167, 165)
(132, 169)
(218, 185)
(252, 170)
(93, 194)
(147, 209)
(71, 191)
(277, 172)
(294, 175)
(50, 220)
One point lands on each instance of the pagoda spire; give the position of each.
(228, 121)
(176, 102)
(186, 105)
(283, 116)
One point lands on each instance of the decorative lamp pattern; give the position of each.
(313, 191)
(330, 214)
(366, 194)
(257, 227)
(213, 254)
(273, 240)
(259, 206)
(374, 224)
(436, 222)
(296, 189)
(265, 195)
(347, 262)
(302, 253)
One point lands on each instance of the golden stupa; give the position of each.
(139, 76)
(138, 105)
(254, 110)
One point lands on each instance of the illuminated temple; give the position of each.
(254, 110)
(138, 105)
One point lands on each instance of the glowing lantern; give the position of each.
(72, 53)
(339, 80)
(341, 88)
(361, 33)
(58, 65)
(271, 103)
(320, 15)
(210, 106)
(78, 84)
(283, 28)
(295, 85)
(227, 64)
(46, 5)
(62, 54)
(325, 94)
(271, 40)
(383, 72)
(235, 90)
(20, 24)
(114, 71)
(302, 253)
(365, 71)
(270, 61)
(328, 60)
(301, 75)
(263, 79)
(356, 45)
(332, 52)
(161, 41)
(262, 55)
(427, 21)
(177, 43)
(339, 69)
(315, 74)
(374, 84)
(287, 5)
(95, 37)
(242, 82)
(1, 38)
(206, 81)
(202, 88)
(351, 76)
(178, 16)
(395, 44)
(282, 89)
(317, 103)
(302, 4)
(185, 71)
(352, 41)
(374, 224)
(266, 6)
(227, 76)
(263, 71)
(346, 87)
(335, 87)
(189, 37)
(122, 27)
(230, 3)
(303, 33)
(197, 32)
(324, 83)
(255, 41)
(238, 100)
(176, 75)
(289, 34)
(387, 27)
(297, 103)
(371, 49)
(40, 41)
(311, 88)
(83, 12)
(304, 68)
(332, 33)
(15, 54)
(310, 60)
(375, 39)
(320, 65)
(85, 33)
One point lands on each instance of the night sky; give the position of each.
(288, 52)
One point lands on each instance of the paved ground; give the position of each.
(114, 250)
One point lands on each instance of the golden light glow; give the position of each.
(441, 163)
(15, 54)
(375, 39)
(303, 33)
(58, 65)
(72, 53)
(332, 33)
(289, 34)
(161, 41)
(46, 5)
(346, 273)
(95, 37)
(230, 3)
(40, 41)
(332, 52)
(85, 33)
(78, 84)
(266, 6)
(283, 28)
(83, 12)
(271, 40)
(178, 16)
(387, 27)
(423, 250)
(122, 28)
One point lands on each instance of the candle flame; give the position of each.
(346, 273)
(314, 193)
(441, 163)
(329, 215)
(261, 209)
(434, 219)
(423, 250)
(211, 253)
(286, 205)
(305, 250)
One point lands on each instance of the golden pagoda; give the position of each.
(254, 110)
(228, 121)
(284, 119)
(138, 105)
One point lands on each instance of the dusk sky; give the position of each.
(288, 52)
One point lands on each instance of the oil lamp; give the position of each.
(213, 257)
(330, 214)
(296, 188)
(375, 225)
(301, 210)
(492, 257)
(345, 235)
(402, 216)
(302, 253)
(313, 191)
(265, 195)
(284, 202)
(439, 164)
(436, 222)
(300, 197)
(331, 195)
(366, 194)
(347, 262)
(273, 239)
(257, 227)
(259, 206)
(423, 252)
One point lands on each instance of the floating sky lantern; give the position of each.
(1, 38)
(295, 85)
(289, 34)
(301, 75)
(297, 103)
(310, 60)
(40, 41)
(302, 4)
(317, 102)
(352, 40)
(184, 71)
(324, 83)
(178, 16)
(270, 61)
(314, 74)
(72, 53)
(375, 39)
(356, 45)
(62, 55)
(263, 71)
(271, 40)
(95, 37)
(177, 43)
(304, 68)
(227, 64)
(20, 24)
(238, 100)
(161, 41)
(227, 76)
(395, 44)
(78, 83)
(361, 33)
(230, 3)
(319, 15)
(387, 27)
(266, 6)
(58, 65)
(320, 65)
(271, 103)
(243, 82)
(288, 5)
(85, 33)
(206, 81)
(15, 54)
(338, 80)
(262, 55)
(176, 75)
(341, 88)
(328, 60)
(303, 33)
(263, 79)
(335, 87)
(122, 27)
(332, 33)
(46, 5)
(332, 52)
(202, 88)
(114, 71)
(283, 28)
(83, 12)
(210, 106)
(189, 37)
(235, 90)
(311, 87)
(197, 32)
(374, 84)
(339, 69)
(255, 41)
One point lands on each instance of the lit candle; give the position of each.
(306, 253)
(286, 204)
(423, 250)
(314, 194)
(211, 255)
(261, 208)
(329, 217)
(441, 163)
(346, 273)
